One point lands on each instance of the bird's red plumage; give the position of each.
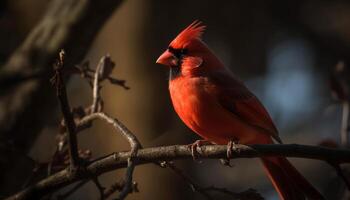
(193, 32)
(219, 108)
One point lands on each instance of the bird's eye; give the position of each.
(178, 52)
(171, 49)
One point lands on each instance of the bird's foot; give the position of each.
(230, 148)
(195, 145)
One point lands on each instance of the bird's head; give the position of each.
(187, 52)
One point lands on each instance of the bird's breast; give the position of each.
(197, 106)
(188, 98)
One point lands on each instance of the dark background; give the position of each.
(283, 50)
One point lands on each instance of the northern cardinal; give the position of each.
(220, 108)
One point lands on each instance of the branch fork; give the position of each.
(103, 71)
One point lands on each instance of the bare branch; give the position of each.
(118, 186)
(68, 24)
(158, 154)
(100, 188)
(66, 111)
(133, 141)
(126, 133)
(71, 191)
(84, 117)
(104, 72)
(341, 174)
(96, 97)
(250, 194)
(104, 63)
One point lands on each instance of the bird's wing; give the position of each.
(234, 96)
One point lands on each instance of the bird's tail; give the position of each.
(289, 183)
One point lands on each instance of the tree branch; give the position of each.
(118, 186)
(68, 24)
(156, 154)
(250, 194)
(133, 141)
(71, 191)
(66, 111)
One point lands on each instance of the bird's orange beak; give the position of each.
(167, 59)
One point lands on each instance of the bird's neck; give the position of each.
(174, 72)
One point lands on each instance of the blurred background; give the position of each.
(284, 51)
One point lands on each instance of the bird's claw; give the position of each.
(193, 147)
(230, 148)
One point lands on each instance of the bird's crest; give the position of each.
(193, 31)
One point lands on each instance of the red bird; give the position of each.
(220, 108)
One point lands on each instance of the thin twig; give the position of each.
(118, 186)
(72, 190)
(94, 77)
(133, 141)
(204, 191)
(186, 178)
(96, 85)
(66, 111)
(341, 174)
(100, 188)
(72, 24)
(102, 72)
(113, 188)
(128, 178)
(126, 133)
